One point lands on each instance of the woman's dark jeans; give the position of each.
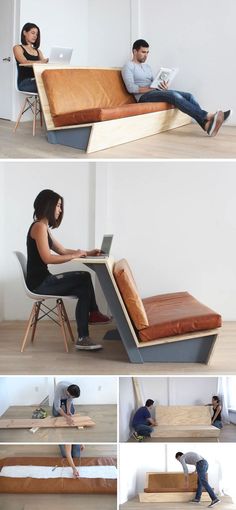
(28, 85)
(73, 283)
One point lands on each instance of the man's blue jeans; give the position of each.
(75, 450)
(143, 430)
(63, 405)
(202, 467)
(184, 101)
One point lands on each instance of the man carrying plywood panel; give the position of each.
(201, 465)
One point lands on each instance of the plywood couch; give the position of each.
(164, 328)
(184, 421)
(57, 485)
(90, 108)
(169, 487)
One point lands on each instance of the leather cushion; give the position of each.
(101, 114)
(58, 485)
(79, 96)
(130, 295)
(176, 314)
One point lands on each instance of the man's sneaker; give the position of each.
(214, 502)
(195, 500)
(227, 114)
(97, 317)
(86, 344)
(137, 437)
(216, 123)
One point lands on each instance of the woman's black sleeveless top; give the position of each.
(37, 270)
(26, 72)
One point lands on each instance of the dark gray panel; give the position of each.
(77, 138)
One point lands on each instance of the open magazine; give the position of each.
(164, 74)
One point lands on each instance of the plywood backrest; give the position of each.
(183, 415)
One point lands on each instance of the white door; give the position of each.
(6, 58)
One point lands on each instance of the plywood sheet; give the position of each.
(183, 415)
(190, 431)
(49, 422)
(170, 497)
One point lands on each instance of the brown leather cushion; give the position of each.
(58, 485)
(129, 292)
(78, 96)
(170, 482)
(100, 114)
(176, 314)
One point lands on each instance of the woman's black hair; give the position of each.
(26, 28)
(45, 205)
(216, 398)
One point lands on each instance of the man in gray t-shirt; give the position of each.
(194, 459)
(138, 77)
(64, 394)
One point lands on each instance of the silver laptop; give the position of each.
(105, 248)
(60, 55)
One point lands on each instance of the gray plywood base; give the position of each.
(77, 138)
(192, 350)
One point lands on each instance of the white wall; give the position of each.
(197, 37)
(2, 223)
(22, 391)
(136, 460)
(164, 391)
(95, 390)
(175, 224)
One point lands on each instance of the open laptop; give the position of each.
(60, 55)
(105, 248)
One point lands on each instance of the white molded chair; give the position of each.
(31, 102)
(56, 313)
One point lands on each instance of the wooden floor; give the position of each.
(227, 435)
(47, 356)
(105, 417)
(185, 142)
(134, 504)
(56, 501)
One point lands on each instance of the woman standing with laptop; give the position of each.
(48, 214)
(28, 52)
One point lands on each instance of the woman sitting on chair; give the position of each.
(28, 53)
(48, 213)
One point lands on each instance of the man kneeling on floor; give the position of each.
(65, 392)
(201, 465)
(142, 421)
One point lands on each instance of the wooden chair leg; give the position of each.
(40, 112)
(62, 323)
(20, 115)
(34, 115)
(37, 310)
(67, 321)
(30, 322)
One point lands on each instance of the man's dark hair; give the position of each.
(26, 28)
(140, 43)
(45, 205)
(216, 398)
(149, 402)
(178, 454)
(74, 390)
